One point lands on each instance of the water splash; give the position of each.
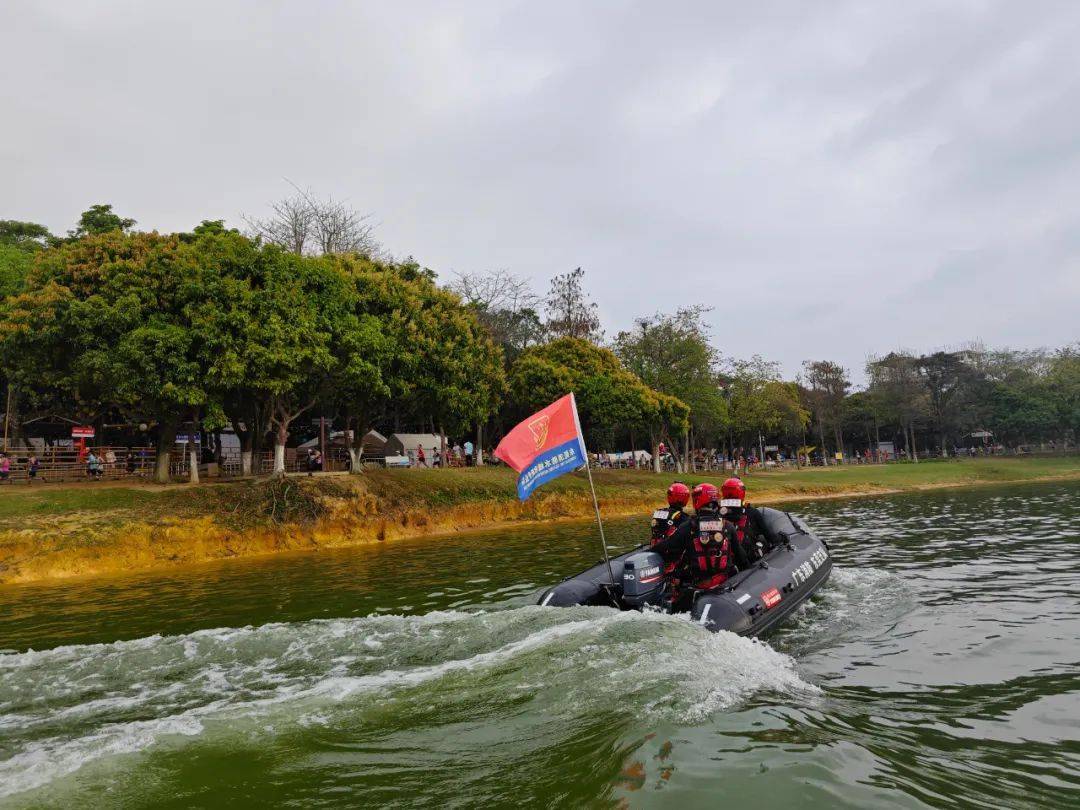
(77, 705)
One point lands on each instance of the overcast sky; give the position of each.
(865, 175)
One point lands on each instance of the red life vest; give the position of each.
(740, 527)
(711, 560)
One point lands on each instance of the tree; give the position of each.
(288, 355)
(505, 305)
(99, 219)
(459, 378)
(1021, 413)
(26, 235)
(230, 330)
(108, 320)
(760, 402)
(15, 264)
(19, 242)
(828, 385)
(895, 380)
(1063, 385)
(609, 397)
(861, 413)
(570, 313)
(308, 225)
(673, 354)
(417, 346)
(946, 377)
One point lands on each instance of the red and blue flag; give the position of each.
(546, 445)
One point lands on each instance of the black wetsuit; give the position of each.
(749, 531)
(697, 561)
(667, 521)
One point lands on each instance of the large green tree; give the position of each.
(29, 236)
(761, 403)
(14, 267)
(948, 379)
(1063, 385)
(673, 354)
(827, 385)
(99, 219)
(610, 398)
(113, 321)
(19, 243)
(408, 344)
(896, 383)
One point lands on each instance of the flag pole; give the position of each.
(592, 489)
(599, 522)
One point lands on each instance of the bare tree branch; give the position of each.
(308, 225)
(495, 290)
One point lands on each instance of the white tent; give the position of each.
(374, 442)
(405, 444)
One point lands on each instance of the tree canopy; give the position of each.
(214, 327)
(673, 354)
(99, 219)
(189, 326)
(609, 397)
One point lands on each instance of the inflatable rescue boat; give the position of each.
(749, 603)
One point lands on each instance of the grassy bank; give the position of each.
(51, 531)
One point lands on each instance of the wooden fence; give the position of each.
(57, 464)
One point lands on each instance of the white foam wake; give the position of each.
(64, 709)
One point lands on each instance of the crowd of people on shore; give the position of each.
(93, 463)
(457, 455)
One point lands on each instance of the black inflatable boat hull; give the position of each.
(750, 603)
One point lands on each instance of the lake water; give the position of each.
(939, 667)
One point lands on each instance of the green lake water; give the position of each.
(939, 667)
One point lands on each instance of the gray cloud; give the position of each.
(835, 179)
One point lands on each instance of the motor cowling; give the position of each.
(643, 579)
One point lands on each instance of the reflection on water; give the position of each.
(939, 667)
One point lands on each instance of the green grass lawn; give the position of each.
(20, 505)
(47, 499)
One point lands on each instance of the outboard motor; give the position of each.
(643, 579)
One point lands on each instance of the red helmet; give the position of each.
(733, 492)
(704, 494)
(678, 494)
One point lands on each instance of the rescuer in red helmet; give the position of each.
(705, 555)
(743, 523)
(667, 520)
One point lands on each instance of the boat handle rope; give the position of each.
(798, 530)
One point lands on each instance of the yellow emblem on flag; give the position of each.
(539, 430)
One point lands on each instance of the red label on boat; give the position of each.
(771, 598)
